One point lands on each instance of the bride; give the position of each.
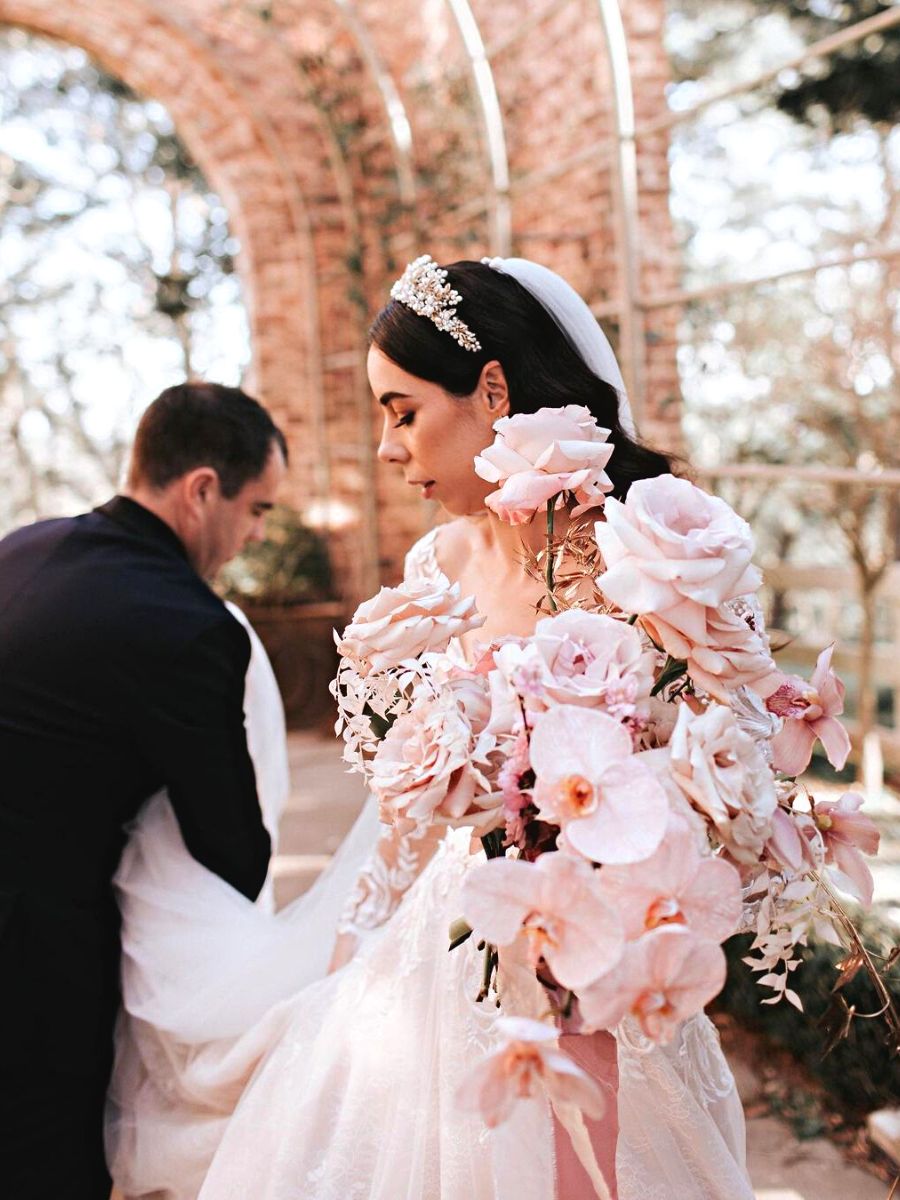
(245, 1069)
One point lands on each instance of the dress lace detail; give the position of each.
(397, 859)
(394, 866)
(696, 1055)
(421, 561)
(703, 1066)
(681, 1126)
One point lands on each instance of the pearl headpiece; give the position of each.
(423, 287)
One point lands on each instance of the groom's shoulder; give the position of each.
(97, 577)
(45, 531)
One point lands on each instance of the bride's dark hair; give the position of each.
(542, 368)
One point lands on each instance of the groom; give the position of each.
(121, 673)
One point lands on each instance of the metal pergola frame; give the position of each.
(630, 307)
(820, 49)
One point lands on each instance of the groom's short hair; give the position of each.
(204, 425)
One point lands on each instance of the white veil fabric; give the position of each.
(576, 321)
(206, 973)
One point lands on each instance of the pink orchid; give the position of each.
(610, 805)
(528, 1061)
(676, 885)
(788, 845)
(810, 711)
(846, 831)
(666, 976)
(538, 456)
(558, 901)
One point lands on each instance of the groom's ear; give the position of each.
(493, 390)
(199, 486)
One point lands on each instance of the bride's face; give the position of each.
(432, 436)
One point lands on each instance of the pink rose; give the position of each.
(672, 549)
(538, 456)
(430, 768)
(810, 711)
(527, 1063)
(581, 658)
(723, 774)
(406, 621)
(722, 650)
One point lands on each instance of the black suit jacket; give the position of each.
(120, 672)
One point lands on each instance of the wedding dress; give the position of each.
(343, 1086)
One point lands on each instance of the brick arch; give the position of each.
(259, 129)
(284, 107)
(229, 139)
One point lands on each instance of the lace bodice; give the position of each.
(421, 561)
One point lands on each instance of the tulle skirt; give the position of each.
(245, 1071)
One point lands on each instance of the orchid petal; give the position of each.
(569, 740)
(853, 872)
(835, 740)
(496, 897)
(630, 820)
(792, 747)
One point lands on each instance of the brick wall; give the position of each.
(286, 108)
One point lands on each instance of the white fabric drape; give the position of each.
(575, 319)
(204, 971)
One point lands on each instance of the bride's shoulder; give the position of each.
(441, 553)
(452, 546)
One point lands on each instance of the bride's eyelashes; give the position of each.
(406, 419)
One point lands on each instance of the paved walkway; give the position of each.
(323, 805)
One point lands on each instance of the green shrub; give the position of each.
(290, 566)
(861, 1073)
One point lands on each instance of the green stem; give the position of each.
(493, 843)
(551, 515)
(674, 669)
(490, 962)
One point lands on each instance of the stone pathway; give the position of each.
(323, 805)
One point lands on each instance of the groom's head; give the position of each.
(208, 460)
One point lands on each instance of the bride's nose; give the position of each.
(390, 448)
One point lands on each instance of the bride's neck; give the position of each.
(499, 539)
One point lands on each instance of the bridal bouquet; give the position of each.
(631, 767)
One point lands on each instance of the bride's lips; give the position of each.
(426, 485)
